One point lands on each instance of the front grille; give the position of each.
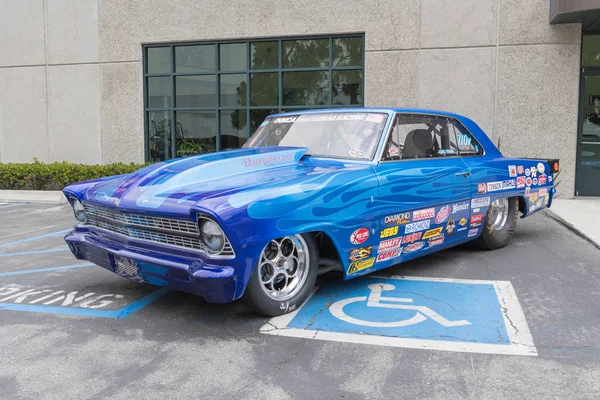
(153, 229)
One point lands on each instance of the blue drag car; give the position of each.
(353, 190)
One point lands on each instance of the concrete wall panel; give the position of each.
(461, 81)
(458, 23)
(538, 103)
(22, 32)
(527, 22)
(122, 113)
(391, 78)
(389, 24)
(72, 31)
(23, 114)
(74, 113)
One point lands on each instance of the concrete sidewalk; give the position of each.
(581, 215)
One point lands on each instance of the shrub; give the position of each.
(55, 176)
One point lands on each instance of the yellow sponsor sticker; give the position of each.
(360, 265)
(432, 232)
(463, 222)
(389, 232)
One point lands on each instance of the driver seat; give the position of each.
(419, 143)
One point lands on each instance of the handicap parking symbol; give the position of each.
(442, 314)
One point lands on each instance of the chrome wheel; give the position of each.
(499, 213)
(283, 267)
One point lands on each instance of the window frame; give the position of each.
(218, 73)
(381, 152)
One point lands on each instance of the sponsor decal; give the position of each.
(521, 182)
(494, 186)
(446, 151)
(541, 168)
(459, 207)
(476, 210)
(533, 196)
(543, 192)
(464, 228)
(399, 219)
(542, 179)
(434, 241)
(389, 244)
(359, 236)
(423, 214)
(550, 178)
(462, 222)
(546, 199)
(389, 232)
(360, 265)
(512, 171)
(527, 172)
(269, 160)
(535, 181)
(476, 220)
(480, 202)
(532, 208)
(520, 170)
(417, 226)
(357, 153)
(331, 117)
(432, 232)
(359, 254)
(527, 191)
(450, 226)
(414, 247)
(443, 214)
(539, 203)
(388, 254)
(534, 172)
(284, 120)
(393, 151)
(509, 184)
(413, 237)
(528, 181)
(473, 232)
(481, 188)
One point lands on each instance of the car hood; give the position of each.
(175, 186)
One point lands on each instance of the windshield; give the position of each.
(352, 135)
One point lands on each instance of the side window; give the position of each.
(420, 136)
(467, 145)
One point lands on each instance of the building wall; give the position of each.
(71, 73)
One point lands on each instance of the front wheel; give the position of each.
(500, 223)
(284, 275)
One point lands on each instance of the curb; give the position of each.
(33, 196)
(571, 227)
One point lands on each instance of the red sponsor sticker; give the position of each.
(521, 181)
(413, 247)
(359, 236)
(389, 244)
(387, 255)
(439, 239)
(443, 215)
(476, 219)
(481, 188)
(543, 192)
(520, 169)
(528, 181)
(542, 179)
(423, 214)
(413, 237)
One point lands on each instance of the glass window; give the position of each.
(203, 97)
(265, 55)
(195, 91)
(198, 59)
(420, 136)
(590, 51)
(158, 60)
(466, 143)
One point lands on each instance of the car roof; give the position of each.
(387, 110)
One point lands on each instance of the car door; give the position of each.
(424, 187)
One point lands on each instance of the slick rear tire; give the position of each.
(496, 233)
(284, 275)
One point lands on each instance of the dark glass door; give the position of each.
(587, 182)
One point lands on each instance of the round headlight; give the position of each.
(212, 236)
(79, 211)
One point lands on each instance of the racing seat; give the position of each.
(419, 143)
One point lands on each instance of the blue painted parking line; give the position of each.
(83, 304)
(441, 314)
(53, 234)
(28, 253)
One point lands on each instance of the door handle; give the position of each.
(465, 174)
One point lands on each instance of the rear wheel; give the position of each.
(500, 223)
(284, 275)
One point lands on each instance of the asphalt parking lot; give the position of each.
(72, 330)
